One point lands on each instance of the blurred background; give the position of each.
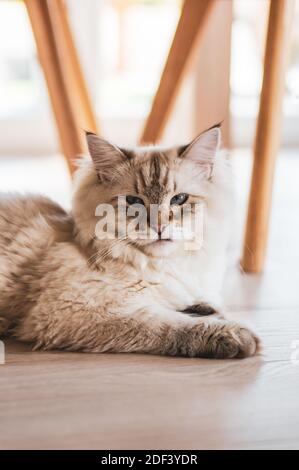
(122, 45)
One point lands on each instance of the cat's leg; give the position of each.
(206, 337)
(78, 325)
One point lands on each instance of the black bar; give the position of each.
(137, 458)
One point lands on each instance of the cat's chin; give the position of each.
(160, 248)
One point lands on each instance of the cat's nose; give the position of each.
(158, 229)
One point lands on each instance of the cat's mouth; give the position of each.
(163, 240)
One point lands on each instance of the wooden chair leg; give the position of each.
(192, 23)
(267, 135)
(212, 92)
(68, 93)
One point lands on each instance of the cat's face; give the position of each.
(153, 198)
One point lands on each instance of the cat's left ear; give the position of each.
(202, 150)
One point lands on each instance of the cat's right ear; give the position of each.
(105, 156)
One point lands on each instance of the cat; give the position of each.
(64, 287)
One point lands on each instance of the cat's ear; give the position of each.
(105, 156)
(202, 150)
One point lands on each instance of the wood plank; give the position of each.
(90, 401)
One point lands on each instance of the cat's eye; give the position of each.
(134, 200)
(179, 199)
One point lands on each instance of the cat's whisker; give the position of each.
(107, 251)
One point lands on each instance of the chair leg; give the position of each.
(212, 87)
(192, 23)
(63, 74)
(267, 135)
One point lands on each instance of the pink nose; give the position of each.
(158, 229)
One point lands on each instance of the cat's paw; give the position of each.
(231, 340)
(201, 309)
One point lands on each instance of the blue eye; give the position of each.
(134, 200)
(179, 199)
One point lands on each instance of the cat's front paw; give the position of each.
(231, 340)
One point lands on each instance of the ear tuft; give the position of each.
(105, 156)
(203, 149)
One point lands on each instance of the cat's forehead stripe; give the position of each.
(152, 176)
(155, 170)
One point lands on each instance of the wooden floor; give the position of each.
(80, 401)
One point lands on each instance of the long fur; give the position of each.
(61, 287)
